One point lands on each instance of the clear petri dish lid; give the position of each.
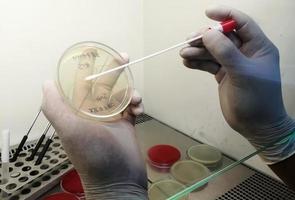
(163, 189)
(205, 154)
(163, 155)
(71, 183)
(103, 98)
(189, 172)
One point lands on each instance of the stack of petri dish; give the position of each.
(205, 154)
(163, 156)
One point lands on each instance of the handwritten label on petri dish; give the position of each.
(100, 98)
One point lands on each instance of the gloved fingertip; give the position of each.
(210, 34)
(218, 12)
(216, 41)
(136, 98)
(47, 85)
(137, 110)
(182, 52)
(211, 8)
(185, 52)
(125, 56)
(136, 93)
(192, 35)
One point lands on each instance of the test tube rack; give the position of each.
(27, 181)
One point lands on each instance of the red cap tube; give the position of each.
(228, 25)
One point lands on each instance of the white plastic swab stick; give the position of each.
(225, 26)
(142, 59)
(5, 137)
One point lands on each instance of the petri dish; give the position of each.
(103, 98)
(205, 154)
(71, 183)
(163, 156)
(61, 196)
(163, 189)
(189, 172)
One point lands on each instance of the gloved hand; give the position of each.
(246, 66)
(106, 155)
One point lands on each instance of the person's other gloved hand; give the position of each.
(246, 66)
(106, 155)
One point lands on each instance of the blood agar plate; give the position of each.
(205, 154)
(163, 156)
(102, 98)
(189, 172)
(163, 189)
(61, 196)
(71, 183)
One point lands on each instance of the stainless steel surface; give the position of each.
(222, 184)
(259, 186)
(153, 132)
(225, 187)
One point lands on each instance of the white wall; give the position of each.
(188, 100)
(33, 36)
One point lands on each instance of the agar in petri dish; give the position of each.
(163, 156)
(189, 172)
(61, 196)
(71, 183)
(205, 154)
(103, 98)
(163, 189)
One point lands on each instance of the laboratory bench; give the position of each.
(238, 182)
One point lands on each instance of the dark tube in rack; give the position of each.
(23, 141)
(44, 150)
(36, 148)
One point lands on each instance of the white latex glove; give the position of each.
(246, 66)
(106, 155)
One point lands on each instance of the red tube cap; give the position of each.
(228, 25)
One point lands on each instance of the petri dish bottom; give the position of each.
(163, 156)
(103, 98)
(61, 196)
(163, 189)
(205, 154)
(189, 172)
(71, 183)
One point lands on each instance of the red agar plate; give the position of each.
(163, 155)
(61, 196)
(71, 183)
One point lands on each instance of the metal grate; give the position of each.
(142, 118)
(259, 187)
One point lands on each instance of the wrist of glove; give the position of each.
(123, 190)
(276, 139)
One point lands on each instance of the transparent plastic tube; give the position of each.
(5, 137)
